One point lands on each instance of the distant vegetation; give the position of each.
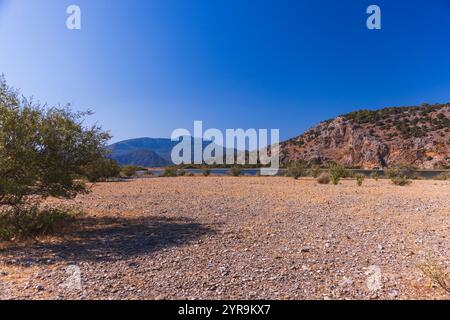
(360, 179)
(408, 121)
(235, 171)
(101, 170)
(129, 170)
(170, 173)
(296, 169)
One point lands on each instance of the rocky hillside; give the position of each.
(418, 136)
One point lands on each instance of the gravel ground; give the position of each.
(239, 238)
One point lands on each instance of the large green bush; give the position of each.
(43, 150)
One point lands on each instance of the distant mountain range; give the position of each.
(146, 152)
(417, 136)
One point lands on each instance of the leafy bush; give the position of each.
(169, 173)
(375, 176)
(436, 273)
(43, 150)
(182, 173)
(401, 171)
(129, 170)
(315, 170)
(337, 172)
(29, 221)
(324, 178)
(360, 179)
(206, 172)
(401, 181)
(235, 171)
(101, 170)
(296, 169)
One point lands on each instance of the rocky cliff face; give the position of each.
(418, 136)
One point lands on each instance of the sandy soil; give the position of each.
(240, 238)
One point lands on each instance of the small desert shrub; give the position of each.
(235, 171)
(189, 174)
(443, 176)
(337, 172)
(315, 171)
(169, 173)
(324, 178)
(401, 181)
(101, 170)
(375, 176)
(436, 273)
(182, 173)
(28, 221)
(296, 169)
(360, 179)
(129, 171)
(401, 171)
(206, 172)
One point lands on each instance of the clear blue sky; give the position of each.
(148, 67)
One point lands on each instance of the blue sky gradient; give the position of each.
(149, 67)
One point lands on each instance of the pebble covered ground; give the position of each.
(239, 238)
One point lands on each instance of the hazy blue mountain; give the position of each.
(146, 152)
(141, 157)
(162, 147)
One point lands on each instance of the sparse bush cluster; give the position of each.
(407, 121)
